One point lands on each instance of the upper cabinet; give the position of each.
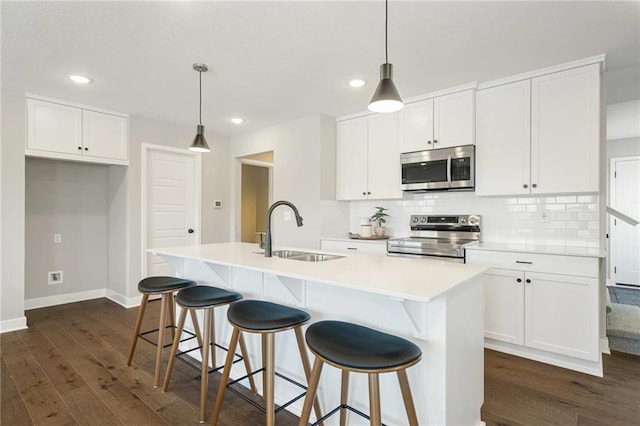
(68, 132)
(368, 158)
(540, 135)
(440, 122)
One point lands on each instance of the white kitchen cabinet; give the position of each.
(354, 246)
(70, 132)
(540, 135)
(441, 122)
(368, 158)
(543, 306)
(503, 139)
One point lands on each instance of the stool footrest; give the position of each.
(337, 409)
(260, 406)
(197, 367)
(144, 337)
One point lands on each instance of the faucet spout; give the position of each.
(267, 244)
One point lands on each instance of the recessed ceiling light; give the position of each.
(236, 120)
(356, 83)
(80, 79)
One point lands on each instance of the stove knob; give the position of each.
(463, 220)
(414, 219)
(423, 219)
(473, 220)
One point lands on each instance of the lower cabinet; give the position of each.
(530, 306)
(346, 246)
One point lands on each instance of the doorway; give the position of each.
(255, 196)
(625, 239)
(171, 203)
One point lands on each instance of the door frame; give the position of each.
(237, 217)
(612, 198)
(197, 194)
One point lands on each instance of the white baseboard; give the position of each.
(60, 299)
(125, 302)
(13, 324)
(604, 346)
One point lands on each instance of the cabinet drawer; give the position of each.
(533, 262)
(354, 247)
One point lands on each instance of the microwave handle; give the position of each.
(449, 169)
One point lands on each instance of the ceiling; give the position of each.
(272, 62)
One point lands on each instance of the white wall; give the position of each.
(13, 184)
(303, 173)
(69, 199)
(623, 120)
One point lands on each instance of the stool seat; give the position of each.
(260, 315)
(204, 296)
(163, 284)
(360, 348)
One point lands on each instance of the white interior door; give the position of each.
(625, 197)
(171, 207)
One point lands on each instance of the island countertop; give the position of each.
(420, 280)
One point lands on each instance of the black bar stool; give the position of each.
(207, 298)
(166, 287)
(266, 319)
(352, 347)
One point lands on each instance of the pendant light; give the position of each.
(386, 97)
(199, 143)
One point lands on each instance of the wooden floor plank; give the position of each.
(12, 408)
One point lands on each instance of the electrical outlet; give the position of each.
(544, 216)
(57, 238)
(217, 204)
(55, 277)
(287, 216)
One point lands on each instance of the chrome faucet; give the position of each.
(266, 245)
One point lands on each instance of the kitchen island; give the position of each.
(437, 305)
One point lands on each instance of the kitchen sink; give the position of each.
(305, 256)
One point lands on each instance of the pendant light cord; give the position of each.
(386, 24)
(200, 72)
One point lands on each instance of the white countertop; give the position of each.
(355, 240)
(413, 279)
(538, 249)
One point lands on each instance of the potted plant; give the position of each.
(379, 219)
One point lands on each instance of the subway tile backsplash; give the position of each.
(572, 220)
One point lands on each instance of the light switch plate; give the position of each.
(57, 238)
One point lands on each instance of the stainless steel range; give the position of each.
(440, 237)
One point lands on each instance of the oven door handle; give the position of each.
(449, 169)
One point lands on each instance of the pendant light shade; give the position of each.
(386, 97)
(199, 143)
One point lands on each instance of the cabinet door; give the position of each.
(565, 131)
(351, 159)
(416, 132)
(503, 128)
(453, 119)
(504, 305)
(53, 127)
(561, 314)
(384, 173)
(104, 135)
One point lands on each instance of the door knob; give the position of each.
(190, 231)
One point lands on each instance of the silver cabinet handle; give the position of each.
(352, 248)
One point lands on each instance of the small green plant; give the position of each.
(379, 216)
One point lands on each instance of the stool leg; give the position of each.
(196, 327)
(408, 399)
(344, 397)
(212, 335)
(247, 364)
(225, 376)
(164, 302)
(312, 389)
(305, 365)
(264, 361)
(136, 329)
(374, 399)
(204, 374)
(174, 349)
(270, 378)
(172, 315)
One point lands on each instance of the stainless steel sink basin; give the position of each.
(305, 256)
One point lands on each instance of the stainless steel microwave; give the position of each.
(444, 169)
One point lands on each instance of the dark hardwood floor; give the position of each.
(69, 368)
